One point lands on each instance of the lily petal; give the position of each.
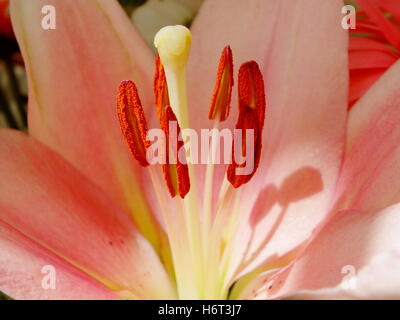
(369, 179)
(352, 244)
(306, 84)
(24, 268)
(50, 202)
(379, 280)
(73, 73)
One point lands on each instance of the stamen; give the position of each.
(176, 173)
(161, 97)
(251, 116)
(221, 100)
(132, 120)
(251, 89)
(219, 111)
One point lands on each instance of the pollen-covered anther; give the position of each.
(175, 169)
(221, 99)
(132, 120)
(161, 98)
(251, 117)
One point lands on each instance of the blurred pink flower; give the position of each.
(5, 21)
(374, 44)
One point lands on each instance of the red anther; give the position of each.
(132, 120)
(251, 116)
(161, 98)
(251, 89)
(176, 173)
(221, 99)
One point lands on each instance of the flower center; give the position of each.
(199, 232)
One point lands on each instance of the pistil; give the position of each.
(173, 45)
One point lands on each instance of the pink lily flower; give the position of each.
(324, 197)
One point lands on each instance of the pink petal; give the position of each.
(46, 199)
(21, 276)
(378, 280)
(370, 175)
(352, 244)
(306, 87)
(74, 72)
(369, 181)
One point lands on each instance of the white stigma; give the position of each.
(173, 45)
